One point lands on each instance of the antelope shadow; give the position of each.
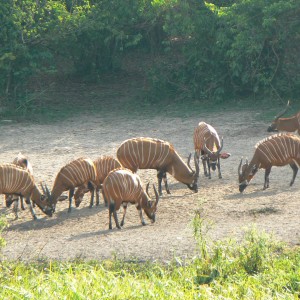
(45, 222)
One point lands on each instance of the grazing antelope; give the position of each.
(149, 153)
(22, 161)
(276, 150)
(207, 144)
(16, 180)
(72, 175)
(103, 165)
(290, 124)
(121, 186)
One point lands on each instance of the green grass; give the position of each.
(254, 267)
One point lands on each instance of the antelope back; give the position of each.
(205, 134)
(122, 185)
(23, 162)
(145, 153)
(76, 173)
(15, 180)
(277, 150)
(104, 165)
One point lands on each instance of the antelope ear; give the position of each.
(224, 155)
(62, 198)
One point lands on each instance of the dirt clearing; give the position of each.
(84, 233)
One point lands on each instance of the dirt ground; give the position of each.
(84, 233)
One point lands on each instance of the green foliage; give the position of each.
(209, 51)
(242, 50)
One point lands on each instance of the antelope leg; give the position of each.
(124, 213)
(166, 183)
(295, 171)
(267, 173)
(71, 194)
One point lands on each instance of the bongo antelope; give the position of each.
(149, 153)
(18, 181)
(72, 175)
(290, 124)
(121, 187)
(276, 150)
(208, 146)
(103, 165)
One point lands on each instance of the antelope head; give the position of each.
(213, 156)
(194, 185)
(48, 199)
(48, 209)
(274, 124)
(245, 174)
(151, 207)
(79, 194)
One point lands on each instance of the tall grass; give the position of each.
(255, 266)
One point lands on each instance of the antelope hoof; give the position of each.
(90, 206)
(144, 223)
(220, 176)
(69, 210)
(35, 217)
(119, 227)
(122, 224)
(168, 192)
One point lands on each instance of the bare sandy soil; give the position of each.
(84, 233)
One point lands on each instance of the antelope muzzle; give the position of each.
(272, 128)
(242, 186)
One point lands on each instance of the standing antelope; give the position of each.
(290, 124)
(72, 175)
(207, 144)
(149, 153)
(16, 180)
(276, 150)
(22, 161)
(103, 165)
(121, 187)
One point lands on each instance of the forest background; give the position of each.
(211, 52)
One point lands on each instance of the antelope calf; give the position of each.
(18, 181)
(121, 187)
(276, 150)
(290, 124)
(149, 153)
(208, 146)
(72, 175)
(103, 165)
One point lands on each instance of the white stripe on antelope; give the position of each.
(22, 161)
(208, 146)
(103, 165)
(276, 150)
(16, 180)
(121, 187)
(290, 124)
(149, 153)
(72, 175)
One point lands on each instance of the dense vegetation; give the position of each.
(215, 50)
(256, 267)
